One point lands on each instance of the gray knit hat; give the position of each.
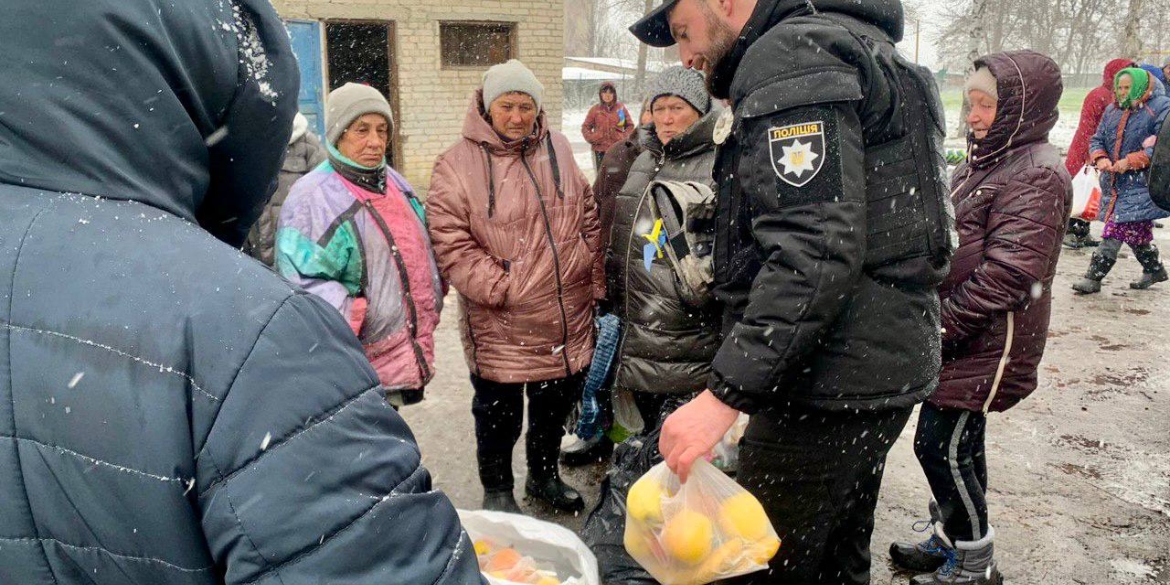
(685, 83)
(350, 102)
(511, 77)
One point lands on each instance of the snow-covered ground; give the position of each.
(571, 125)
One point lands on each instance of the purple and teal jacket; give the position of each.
(369, 256)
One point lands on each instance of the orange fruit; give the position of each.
(503, 560)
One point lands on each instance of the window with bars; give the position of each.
(476, 44)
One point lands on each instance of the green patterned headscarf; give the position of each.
(1141, 84)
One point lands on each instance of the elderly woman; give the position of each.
(353, 233)
(671, 333)
(1012, 197)
(516, 233)
(1122, 150)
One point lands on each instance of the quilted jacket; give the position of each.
(171, 411)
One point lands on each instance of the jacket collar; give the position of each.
(887, 15)
(694, 140)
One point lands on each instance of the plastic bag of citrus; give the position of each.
(706, 530)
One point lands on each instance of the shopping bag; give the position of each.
(725, 455)
(519, 550)
(1086, 194)
(705, 530)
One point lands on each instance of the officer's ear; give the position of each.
(728, 8)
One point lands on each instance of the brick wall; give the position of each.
(433, 101)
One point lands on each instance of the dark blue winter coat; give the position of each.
(171, 412)
(1131, 189)
(1155, 71)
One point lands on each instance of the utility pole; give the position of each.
(643, 53)
(917, 38)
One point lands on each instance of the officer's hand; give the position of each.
(693, 431)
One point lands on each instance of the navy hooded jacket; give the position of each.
(171, 412)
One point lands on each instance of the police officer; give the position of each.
(834, 230)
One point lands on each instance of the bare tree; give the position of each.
(1132, 40)
(1080, 35)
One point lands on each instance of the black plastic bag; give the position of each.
(606, 524)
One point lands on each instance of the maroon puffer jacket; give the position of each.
(1012, 200)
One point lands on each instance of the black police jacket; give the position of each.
(835, 227)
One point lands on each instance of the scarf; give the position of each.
(1137, 93)
(372, 179)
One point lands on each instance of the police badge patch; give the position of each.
(798, 152)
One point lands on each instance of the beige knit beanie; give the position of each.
(984, 81)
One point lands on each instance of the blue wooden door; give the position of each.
(306, 44)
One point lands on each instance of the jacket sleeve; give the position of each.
(1097, 147)
(307, 475)
(589, 127)
(245, 161)
(328, 268)
(463, 262)
(1024, 227)
(592, 234)
(811, 240)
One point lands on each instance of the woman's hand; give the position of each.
(1121, 166)
(1104, 165)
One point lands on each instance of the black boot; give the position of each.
(1103, 261)
(1079, 235)
(549, 489)
(1153, 271)
(501, 501)
(926, 556)
(495, 473)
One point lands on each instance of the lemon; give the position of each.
(762, 551)
(482, 548)
(644, 502)
(723, 561)
(637, 541)
(742, 516)
(687, 536)
(548, 581)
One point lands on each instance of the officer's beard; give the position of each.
(722, 42)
